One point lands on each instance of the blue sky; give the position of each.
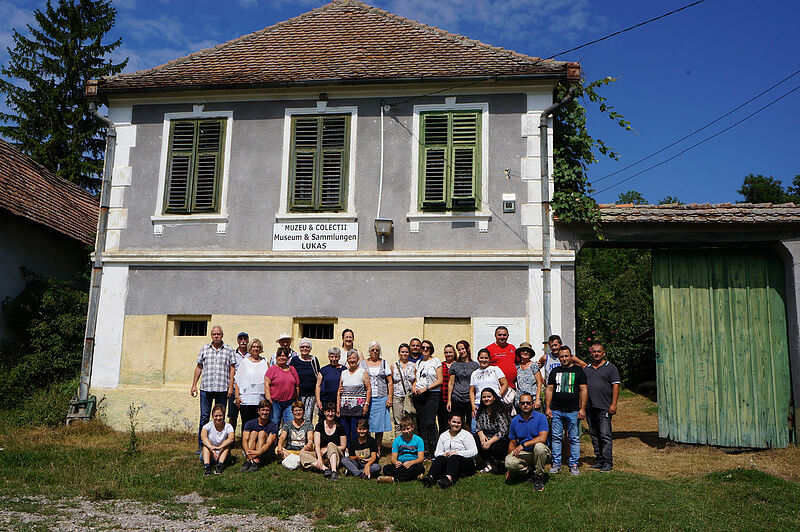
(673, 75)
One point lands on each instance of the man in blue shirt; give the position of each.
(258, 438)
(527, 451)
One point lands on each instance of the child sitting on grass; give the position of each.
(408, 453)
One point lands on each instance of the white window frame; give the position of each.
(221, 217)
(350, 214)
(481, 214)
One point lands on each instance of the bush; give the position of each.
(615, 306)
(41, 358)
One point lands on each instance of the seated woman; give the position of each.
(454, 455)
(329, 445)
(217, 438)
(295, 436)
(408, 453)
(493, 420)
(363, 459)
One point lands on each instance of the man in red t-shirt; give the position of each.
(503, 355)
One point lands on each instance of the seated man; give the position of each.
(527, 451)
(217, 439)
(408, 453)
(258, 435)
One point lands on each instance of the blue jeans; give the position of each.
(206, 400)
(349, 424)
(281, 411)
(568, 420)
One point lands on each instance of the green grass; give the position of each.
(738, 499)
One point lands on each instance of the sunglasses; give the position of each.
(526, 402)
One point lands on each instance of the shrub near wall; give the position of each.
(615, 305)
(41, 358)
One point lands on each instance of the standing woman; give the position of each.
(380, 419)
(328, 378)
(404, 374)
(428, 395)
(458, 388)
(353, 397)
(486, 376)
(348, 337)
(493, 419)
(281, 386)
(307, 367)
(443, 415)
(529, 379)
(249, 383)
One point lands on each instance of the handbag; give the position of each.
(509, 396)
(408, 404)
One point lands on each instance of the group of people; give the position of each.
(448, 412)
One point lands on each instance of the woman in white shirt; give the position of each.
(404, 373)
(217, 438)
(485, 376)
(453, 457)
(249, 381)
(428, 395)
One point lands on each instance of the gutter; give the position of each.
(83, 407)
(544, 160)
(570, 73)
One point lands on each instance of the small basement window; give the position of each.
(191, 327)
(317, 331)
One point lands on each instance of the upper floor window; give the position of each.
(450, 160)
(194, 166)
(319, 163)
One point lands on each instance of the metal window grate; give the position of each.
(192, 328)
(318, 331)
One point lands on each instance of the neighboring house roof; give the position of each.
(720, 213)
(30, 190)
(344, 41)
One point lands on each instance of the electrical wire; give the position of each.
(540, 60)
(698, 130)
(776, 100)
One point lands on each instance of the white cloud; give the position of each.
(15, 18)
(164, 27)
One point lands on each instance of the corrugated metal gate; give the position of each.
(722, 356)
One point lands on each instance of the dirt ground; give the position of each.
(639, 449)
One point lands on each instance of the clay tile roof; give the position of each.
(738, 213)
(344, 41)
(31, 191)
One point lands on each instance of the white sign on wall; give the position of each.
(315, 236)
(483, 331)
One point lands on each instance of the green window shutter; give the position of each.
(319, 155)
(450, 160)
(195, 166)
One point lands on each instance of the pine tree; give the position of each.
(46, 75)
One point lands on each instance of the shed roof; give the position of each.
(343, 41)
(30, 190)
(733, 213)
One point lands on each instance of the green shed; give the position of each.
(722, 360)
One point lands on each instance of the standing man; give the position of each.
(548, 361)
(241, 353)
(565, 403)
(503, 355)
(284, 340)
(415, 350)
(602, 378)
(527, 451)
(217, 363)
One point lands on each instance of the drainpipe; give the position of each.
(545, 172)
(83, 407)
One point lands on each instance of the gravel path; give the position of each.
(84, 514)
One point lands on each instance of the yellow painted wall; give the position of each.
(157, 366)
